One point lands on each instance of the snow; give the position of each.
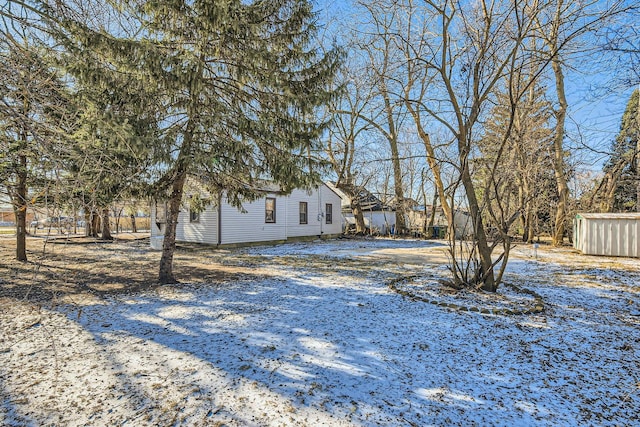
(315, 336)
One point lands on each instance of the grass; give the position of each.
(7, 230)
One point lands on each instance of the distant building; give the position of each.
(378, 217)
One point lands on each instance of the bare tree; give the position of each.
(377, 44)
(456, 57)
(565, 30)
(345, 131)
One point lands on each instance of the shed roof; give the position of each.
(368, 202)
(625, 215)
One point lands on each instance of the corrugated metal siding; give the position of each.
(249, 226)
(382, 220)
(611, 236)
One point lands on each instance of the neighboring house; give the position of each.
(378, 217)
(612, 234)
(419, 216)
(273, 218)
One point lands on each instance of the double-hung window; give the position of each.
(270, 209)
(304, 217)
(328, 213)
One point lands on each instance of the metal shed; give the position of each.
(611, 234)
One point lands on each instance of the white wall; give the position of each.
(329, 196)
(379, 221)
(205, 230)
(249, 224)
(614, 235)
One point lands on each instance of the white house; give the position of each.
(612, 234)
(377, 216)
(273, 218)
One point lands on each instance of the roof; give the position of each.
(368, 202)
(624, 215)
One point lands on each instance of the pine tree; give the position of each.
(111, 152)
(618, 188)
(524, 166)
(239, 87)
(34, 116)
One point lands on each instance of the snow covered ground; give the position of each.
(312, 335)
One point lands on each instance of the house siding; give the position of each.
(313, 227)
(327, 195)
(205, 230)
(248, 225)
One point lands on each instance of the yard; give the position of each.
(312, 334)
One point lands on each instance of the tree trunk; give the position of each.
(93, 223)
(169, 244)
(437, 173)
(486, 275)
(401, 224)
(106, 230)
(637, 156)
(358, 216)
(432, 215)
(20, 210)
(134, 229)
(392, 137)
(558, 155)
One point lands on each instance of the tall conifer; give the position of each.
(238, 87)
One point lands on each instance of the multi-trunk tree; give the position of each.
(386, 113)
(344, 138)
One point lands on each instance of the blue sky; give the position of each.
(596, 96)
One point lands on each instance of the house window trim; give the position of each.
(328, 213)
(304, 213)
(269, 219)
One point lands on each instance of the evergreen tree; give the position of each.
(618, 188)
(111, 153)
(35, 115)
(520, 182)
(239, 86)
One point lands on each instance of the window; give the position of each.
(194, 216)
(270, 210)
(303, 212)
(328, 213)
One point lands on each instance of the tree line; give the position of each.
(468, 104)
(462, 105)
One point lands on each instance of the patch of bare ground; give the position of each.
(78, 270)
